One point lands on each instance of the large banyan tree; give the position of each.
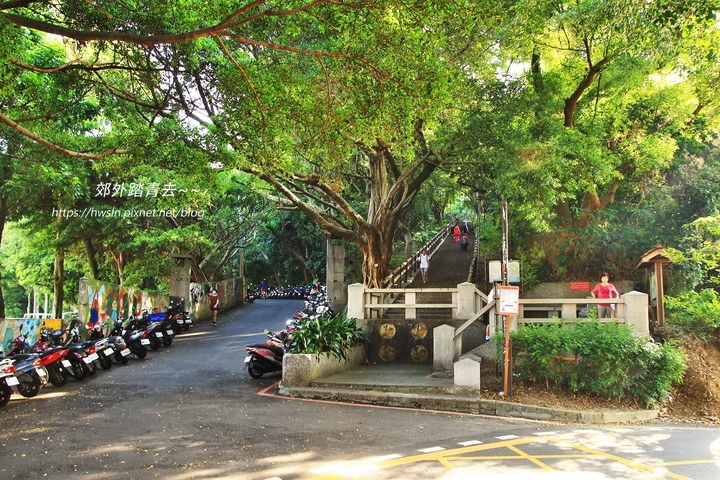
(335, 105)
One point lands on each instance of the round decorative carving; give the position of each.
(387, 353)
(387, 330)
(419, 353)
(419, 330)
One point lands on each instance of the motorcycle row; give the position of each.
(59, 355)
(267, 357)
(282, 293)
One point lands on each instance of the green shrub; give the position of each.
(334, 335)
(605, 359)
(693, 312)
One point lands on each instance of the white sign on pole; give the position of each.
(509, 300)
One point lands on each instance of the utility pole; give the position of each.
(507, 356)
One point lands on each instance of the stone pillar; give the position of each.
(466, 301)
(335, 274)
(180, 280)
(356, 301)
(636, 311)
(83, 301)
(467, 374)
(443, 348)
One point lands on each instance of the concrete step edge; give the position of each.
(464, 403)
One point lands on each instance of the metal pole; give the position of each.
(505, 249)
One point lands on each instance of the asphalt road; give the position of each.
(190, 411)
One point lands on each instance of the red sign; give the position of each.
(579, 286)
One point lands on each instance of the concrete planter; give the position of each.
(300, 369)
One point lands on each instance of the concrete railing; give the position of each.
(469, 304)
(409, 267)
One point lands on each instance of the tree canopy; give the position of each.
(587, 116)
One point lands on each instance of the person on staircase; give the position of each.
(424, 265)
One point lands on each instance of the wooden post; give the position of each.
(660, 293)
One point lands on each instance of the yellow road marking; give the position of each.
(447, 457)
(684, 462)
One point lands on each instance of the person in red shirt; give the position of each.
(605, 290)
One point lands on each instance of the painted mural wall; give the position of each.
(101, 303)
(230, 291)
(14, 327)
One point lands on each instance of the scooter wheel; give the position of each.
(254, 372)
(121, 359)
(58, 377)
(29, 386)
(105, 362)
(5, 394)
(155, 343)
(166, 341)
(80, 371)
(139, 352)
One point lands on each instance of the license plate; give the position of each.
(12, 381)
(108, 351)
(180, 321)
(188, 321)
(158, 334)
(170, 332)
(125, 352)
(93, 357)
(66, 363)
(41, 372)
(145, 341)
(247, 359)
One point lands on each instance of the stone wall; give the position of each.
(300, 369)
(565, 290)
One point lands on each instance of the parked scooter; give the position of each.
(266, 358)
(133, 337)
(20, 344)
(178, 319)
(71, 362)
(8, 382)
(122, 352)
(30, 374)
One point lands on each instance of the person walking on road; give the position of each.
(214, 304)
(456, 232)
(605, 290)
(424, 265)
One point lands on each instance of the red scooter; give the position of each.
(19, 345)
(267, 358)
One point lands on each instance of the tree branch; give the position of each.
(70, 153)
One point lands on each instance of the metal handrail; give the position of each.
(403, 271)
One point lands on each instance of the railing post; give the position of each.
(356, 301)
(443, 348)
(636, 311)
(410, 312)
(465, 301)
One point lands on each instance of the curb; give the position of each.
(467, 404)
